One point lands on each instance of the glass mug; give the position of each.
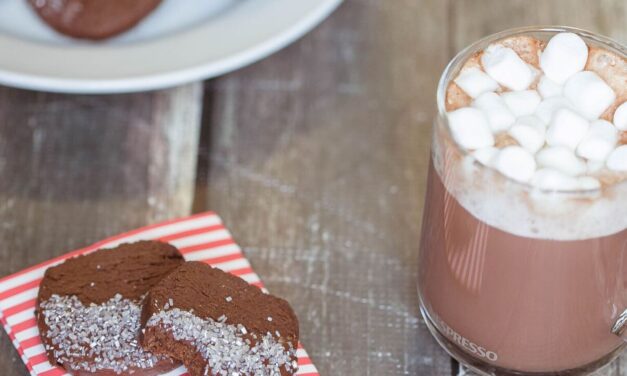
(512, 279)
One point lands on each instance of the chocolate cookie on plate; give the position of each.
(93, 19)
(89, 307)
(217, 324)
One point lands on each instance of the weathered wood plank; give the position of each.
(75, 169)
(472, 19)
(317, 161)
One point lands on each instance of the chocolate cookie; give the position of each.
(217, 324)
(93, 19)
(89, 307)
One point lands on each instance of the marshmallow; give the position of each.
(548, 88)
(473, 81)
(522, 103)
(515, 163)
(470, 128)
(494, 108)
(527, 136)
(561, 158)
(617, 160)
(485, 155)
(564, 55)
(566, 129)
(532, 121)
(620, 117)
(547, 108)
(588, 183)
(589, 94)
(506, 67)
(599, 142)
(595, 166)
(553, 180)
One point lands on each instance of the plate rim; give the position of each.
(184, 75)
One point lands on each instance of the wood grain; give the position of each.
(75, 169)
(471, 19)
(316, 160)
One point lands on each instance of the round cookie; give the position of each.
(89, 308)
(216, 323)
(93, 19)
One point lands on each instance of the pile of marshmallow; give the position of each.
(561, 140)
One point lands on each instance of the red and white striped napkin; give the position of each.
(201, 237)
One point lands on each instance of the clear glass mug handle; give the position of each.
(620, 326)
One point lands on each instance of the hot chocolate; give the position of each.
(523, 260)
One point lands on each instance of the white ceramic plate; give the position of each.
(182, 41)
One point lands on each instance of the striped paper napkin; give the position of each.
(201, 237)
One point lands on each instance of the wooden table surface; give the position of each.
(315, 157)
